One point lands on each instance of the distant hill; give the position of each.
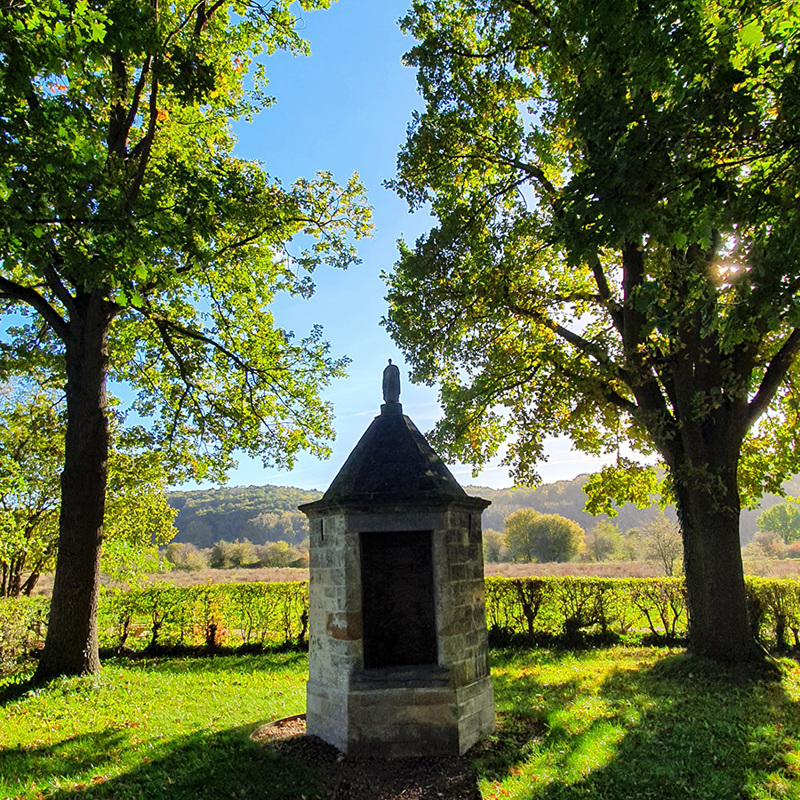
(563, 497)
(259, 513)
(568, 499)
(269, 513)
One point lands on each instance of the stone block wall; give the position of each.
(404, 711)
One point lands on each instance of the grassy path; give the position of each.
(618, 724)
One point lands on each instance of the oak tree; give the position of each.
(135, 246)
(616, 258)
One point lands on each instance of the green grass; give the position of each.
(155, 728)
(619, 723)
(640, 725)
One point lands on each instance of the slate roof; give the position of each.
(393, 464)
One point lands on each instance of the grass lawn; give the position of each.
(157, 728)
(639, 724)
(620, 723)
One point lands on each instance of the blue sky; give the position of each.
(345, 109)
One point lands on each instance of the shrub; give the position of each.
(186, 556)
(22, 629)
(239, 553)
(793, 550)
(280, 554)
(532, 536)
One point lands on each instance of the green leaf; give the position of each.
(752, 34)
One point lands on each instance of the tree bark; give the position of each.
(71, 645)
(719, 627)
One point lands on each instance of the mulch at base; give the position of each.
(343, 777)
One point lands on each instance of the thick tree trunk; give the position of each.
(71, 646)
(718, 622)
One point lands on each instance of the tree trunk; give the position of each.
(71, 646)
(718, 622)
(30, 583)
(15, 567)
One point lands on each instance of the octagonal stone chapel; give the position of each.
(398, 655)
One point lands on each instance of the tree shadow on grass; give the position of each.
(16, 686)
(200, 663)
(228, 764)
(13, 688)
(69, 759)
(204, 765)
(682, 728)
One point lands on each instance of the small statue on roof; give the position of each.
(391, 383)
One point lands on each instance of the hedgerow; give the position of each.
(214, 616)
(261, 616)
(570, 608)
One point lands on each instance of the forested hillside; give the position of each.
(258, 513)
(563, 497)
(269, 513)
(568, 499)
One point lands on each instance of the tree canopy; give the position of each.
(783, 519)
(616, 258)
(118, 180)
(544, 538)
(135, 245)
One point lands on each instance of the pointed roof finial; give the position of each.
(391, 383)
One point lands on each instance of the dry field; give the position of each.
(766, 568)
(604, 569)
(786, 568)
(179, 578)
(242, 575)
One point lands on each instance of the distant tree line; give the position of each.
(240, 553)
(531, 536)
(257, 516)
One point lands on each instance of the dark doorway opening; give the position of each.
(398, 610)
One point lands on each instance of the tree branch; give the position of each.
(166, 326)
(15, 291)
(137, 93)
(204, 15)
(143, 148)
(604, 291)
(59, 290)
(776, 372)
(534, 172)
(584, 345)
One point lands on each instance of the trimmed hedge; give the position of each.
(225, 615)
(570, 608)
(259, 616)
